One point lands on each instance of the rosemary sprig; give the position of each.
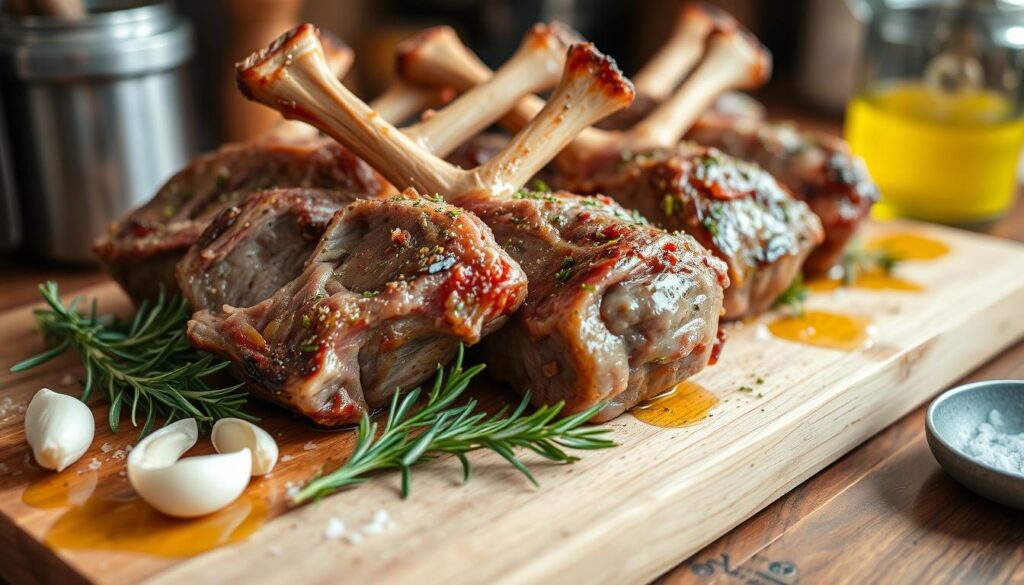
(794, 296)
(410, 437)
(857, 261)
(145, 366)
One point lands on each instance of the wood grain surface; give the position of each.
(962, 539)
(625, 515)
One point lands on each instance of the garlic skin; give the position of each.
(59, 428)
(190, 487)
(234, 434)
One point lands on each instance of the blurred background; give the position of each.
(926, 88)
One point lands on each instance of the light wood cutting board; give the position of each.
(618, 516)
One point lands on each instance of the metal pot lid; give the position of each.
(116, 39)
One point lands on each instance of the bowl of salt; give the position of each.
(976, 432)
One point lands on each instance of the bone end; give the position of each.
(554, 36)
(433, 42)
(756, 55)
(704, 16)
(339, 55)
(586, 62)
(263, 67)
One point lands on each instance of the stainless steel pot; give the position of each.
(98, 115)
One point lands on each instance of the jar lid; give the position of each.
(117, 38)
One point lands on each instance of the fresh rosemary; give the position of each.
(794, 296)
(412, 436)
(145, 366)
(857, 261)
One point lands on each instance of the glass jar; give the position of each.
(938, 112)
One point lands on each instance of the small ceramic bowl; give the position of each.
(953, 418)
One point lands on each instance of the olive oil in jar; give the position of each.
(949, 157)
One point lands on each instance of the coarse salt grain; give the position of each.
(309, 446)
(119, 454)
(94, 464)
(286, 458)
(106, 447)
(762, 333)
(996, 446)
(335, 529)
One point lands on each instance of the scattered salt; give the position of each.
(335, 529)
(122, 473)
(95, 464)
(309, 446)
(996, 446)
(119, 454)
(286, 458)
(381, 522)
(106, 447)
(762, 333)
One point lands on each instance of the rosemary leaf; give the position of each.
(410, 437)
(146, 367)
(794, 296)
(857, 261)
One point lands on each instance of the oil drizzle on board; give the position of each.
(873, 279)
(685, 404)
(123, 522)
(822, 329)
(910, 246)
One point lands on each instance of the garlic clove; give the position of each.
(190, 487)
(235, 434)
(59, 428)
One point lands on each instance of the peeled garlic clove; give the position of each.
(59, 428)
(188, 487)
(234, 434)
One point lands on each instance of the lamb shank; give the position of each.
(817, 169)
(252, 249)
(734, 208)
(142, 248)
(617, 310)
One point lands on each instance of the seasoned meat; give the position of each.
(735, 209)
(392, 288)
(817, 168)
(252, 249)
(617, 310)
(141, 249)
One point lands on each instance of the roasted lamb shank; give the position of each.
(252, 249)
(617, 310)
(816, 168)
(142, 247)
(734, 208)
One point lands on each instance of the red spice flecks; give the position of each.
(670, 247)
(494, 288)
(716, 349)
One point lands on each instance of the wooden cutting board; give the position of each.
(618, 516)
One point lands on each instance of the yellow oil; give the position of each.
(822, 329)
(105, 516)
(946, 157)
(685, 404)
(874, 279)
(908, 246)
